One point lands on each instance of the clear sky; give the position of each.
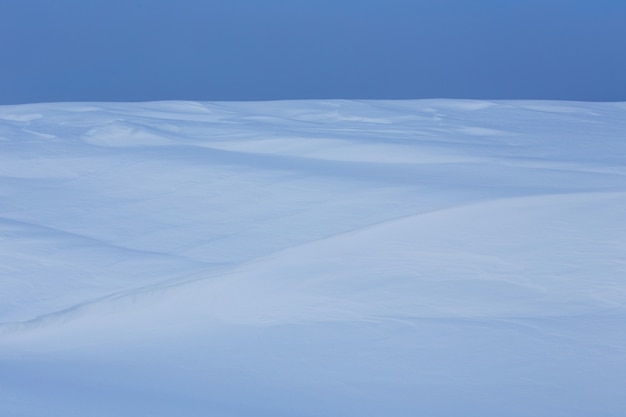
(136, 50)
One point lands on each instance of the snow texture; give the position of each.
(313, 258)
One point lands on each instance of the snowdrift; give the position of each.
(313, 258)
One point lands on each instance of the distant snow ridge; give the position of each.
(313, 258)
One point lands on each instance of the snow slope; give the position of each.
(313, 258)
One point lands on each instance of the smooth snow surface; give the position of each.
(313, 258)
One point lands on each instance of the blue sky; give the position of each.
(136, 50)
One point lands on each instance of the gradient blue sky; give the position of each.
(136, 50)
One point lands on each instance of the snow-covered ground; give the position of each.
(313, 258)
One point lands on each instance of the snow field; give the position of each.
(313, 258)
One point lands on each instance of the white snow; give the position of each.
(313, 258)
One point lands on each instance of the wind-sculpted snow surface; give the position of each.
(313, 258)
